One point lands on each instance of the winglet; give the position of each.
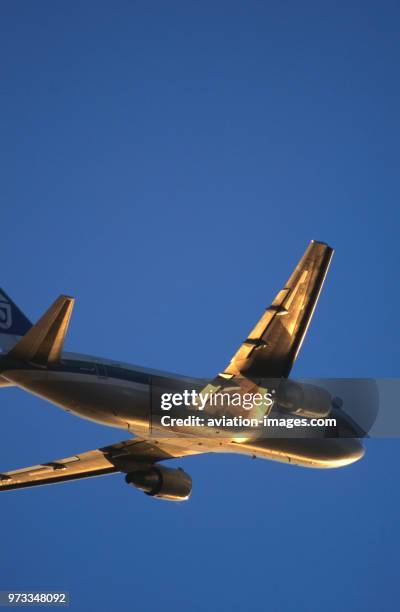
(44, 341)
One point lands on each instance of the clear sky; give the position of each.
(167, 164)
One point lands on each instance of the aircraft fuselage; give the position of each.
(120, 395)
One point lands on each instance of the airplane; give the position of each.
(123, 396)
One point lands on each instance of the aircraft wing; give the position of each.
(122, 457)
(272, 346)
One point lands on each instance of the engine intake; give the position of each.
(159, 481)
(303, 399)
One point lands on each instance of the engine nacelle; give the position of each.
(159, 481)
(303, 399)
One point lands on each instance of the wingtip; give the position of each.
(325, 244)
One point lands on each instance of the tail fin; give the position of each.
(44, 341)
(13, 323)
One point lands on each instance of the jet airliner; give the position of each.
(126, 396)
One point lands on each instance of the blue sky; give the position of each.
(167, 164)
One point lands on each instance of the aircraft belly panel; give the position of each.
(112, 402)
(306, 452)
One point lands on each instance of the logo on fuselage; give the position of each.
(5, 313)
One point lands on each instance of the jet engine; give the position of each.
(159, 481)
(303, 399)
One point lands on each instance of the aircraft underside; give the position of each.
(129, 398)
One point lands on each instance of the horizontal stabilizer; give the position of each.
(44, 341)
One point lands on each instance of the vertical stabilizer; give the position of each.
(13, 323)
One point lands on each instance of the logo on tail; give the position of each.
(5, 313)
